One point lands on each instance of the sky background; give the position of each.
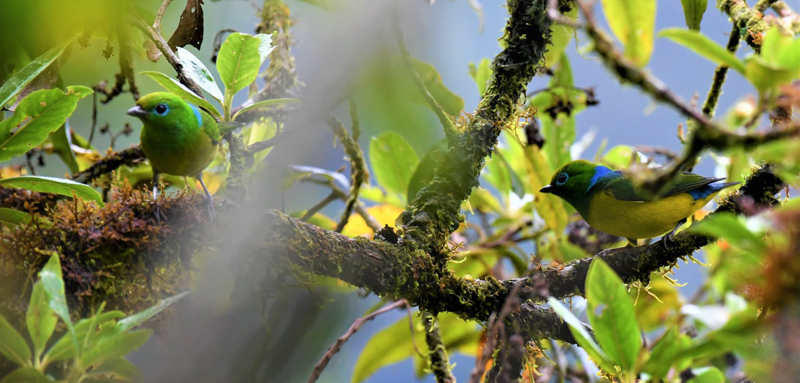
(445, 34)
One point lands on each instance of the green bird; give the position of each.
(607, 200)
(177, 137)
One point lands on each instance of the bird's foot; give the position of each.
(211, 208)
(666, 240)
(632, 242)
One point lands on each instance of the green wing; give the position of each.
(210, 127)
(622, 188)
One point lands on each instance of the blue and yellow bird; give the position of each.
(609, 202)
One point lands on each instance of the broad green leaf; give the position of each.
(619, 157)
(666, 354)
(496, 173)
(393, 161)
(449, 101)
(736, 335)
(119, 368)
(12, 344)
(611, 315)
(62, 147)
(394, 343)
(176, 87)
(63, 349)
(198, 72)
(54, 185)
(562, 34)
(114, 346)
(424, 172)
(37, 115)
(558, 136)
(707, 375)
(516, 183)
(733, 229)
(265, 103)
(25, 375)
(766, 75)
(142, 316)
(693, 11)
(548, 206)
(483, 200)
(240, 57)
(53, 284)
(481, 74)
(584, 339)
(633, 23)
(13, 217)
(24, 76)
(704, 46)
(40, 318)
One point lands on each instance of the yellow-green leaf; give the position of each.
(54, 185)
(633, 23)
(549, 207)
(693, 11)
(704, 46)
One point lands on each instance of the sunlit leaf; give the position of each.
(54, 185)
(707, 375)
(114, 347)
(176, 87)
(562, 34)
(197, 71)
(693, 11)
(142, 316)
(668, 352)
(611, 315)
(24, 76)
(13, 217)
(393, 161)
(63, 348)
(632, 22)
(449, 101)
(240, 57)
(384, 214)
(13, 345)
(62, 147)
(40, 319)
(584, 339)
(25, 375)
(36, 116)
(549, 207)
(266, 103)
(53, 284)
(426, 168)
(704, 46)
(733, 229)
(481, 74)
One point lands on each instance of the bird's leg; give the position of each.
(667, 238)
(207, 194)
(156, 177)
(632, 242)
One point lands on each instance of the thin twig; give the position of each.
(439, 361)
(358, 169)
(352, 330)
(447, 123)
(354, 119)
(372, 223)
(131, 156)
(494, 324)
(319, 206)
(172, 59)
(160, 15)
(720, 73)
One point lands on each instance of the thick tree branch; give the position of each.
(750, 22)
(128, 157)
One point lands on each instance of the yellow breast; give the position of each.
(632, 219)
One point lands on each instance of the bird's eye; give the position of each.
(161, 109)
(562, 179)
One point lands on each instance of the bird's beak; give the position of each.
(137, 112)
(546, 189)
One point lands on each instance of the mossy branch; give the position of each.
(748, 21)
(440, 361)
(436, 209)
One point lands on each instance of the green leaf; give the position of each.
(561, 36)
(114, 346)
(24, 76)
(13, 217)
(666, 354)
(240, 57)
(12, 344)
(40, 318)
(733, 229)
(633, 23)
(767, 75)
(693, 11)
(61, 145)
(53, 284)
(176, 87)
(481, 74)
(142, 316)
(425, 171)
(551, 208)
(516, 183)
(25, 375)
(198, 72)
(37, 115)
(63, 349)
(393, 161)
(610, 313)
(394, 343)
(704, 46)
(449, 101)
(266, 103)
(119, 369)
(707, 375)
(54, 185)
(584, 339)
